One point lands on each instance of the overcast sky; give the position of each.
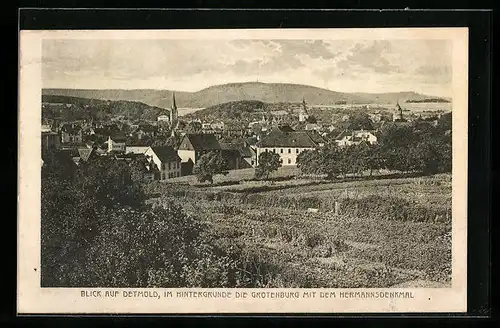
(191, 65)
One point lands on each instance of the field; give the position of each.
(305, 232)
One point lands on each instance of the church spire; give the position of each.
(173, 114)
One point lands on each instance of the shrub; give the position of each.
(392, 208)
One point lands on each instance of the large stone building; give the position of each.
(288, 144)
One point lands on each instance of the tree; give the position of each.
(156, 247)
(396, 136)
(163, 139)
(86, 240)
(445, 122)
(333, 160)
(110, 182)
(268, 162)
(210, 164)
(355, 158)
(360, 121)
(139, 165)
(375, 159)
(193, 127)
(329, 160)
(311, 119)
(310, 162)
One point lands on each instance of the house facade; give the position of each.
(116, 144)
(71, 133)
(163, 118)
(288, 145)
(166, 160)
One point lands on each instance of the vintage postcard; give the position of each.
(243, 171)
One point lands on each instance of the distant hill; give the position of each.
(76, 108)
(429, 100)
(158, 98)
(218, 94)
(393, 97)
(232, 110)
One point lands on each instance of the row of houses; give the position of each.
(165, 162)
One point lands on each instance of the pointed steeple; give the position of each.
(400, 110)
(173, 113)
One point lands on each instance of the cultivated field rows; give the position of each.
(354, 248)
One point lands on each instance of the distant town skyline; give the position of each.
(378, 66)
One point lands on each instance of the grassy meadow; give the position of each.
(308, 232)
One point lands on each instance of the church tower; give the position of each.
(303, 116)
(398, 114)
(173, 113)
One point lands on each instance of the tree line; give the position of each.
(418, 147)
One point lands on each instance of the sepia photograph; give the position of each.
(183, 166)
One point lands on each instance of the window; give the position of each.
(281, 150)
(275, 150)
(297, 150)
(289, 161)
(289, 151)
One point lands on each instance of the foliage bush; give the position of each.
(268, 163)
(210, 164)
(392, 208)
(420, 147)
(96, 235)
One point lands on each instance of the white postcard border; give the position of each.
(31, 298)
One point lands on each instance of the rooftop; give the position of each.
(166, 153)
(288, 139)
(203, 141)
